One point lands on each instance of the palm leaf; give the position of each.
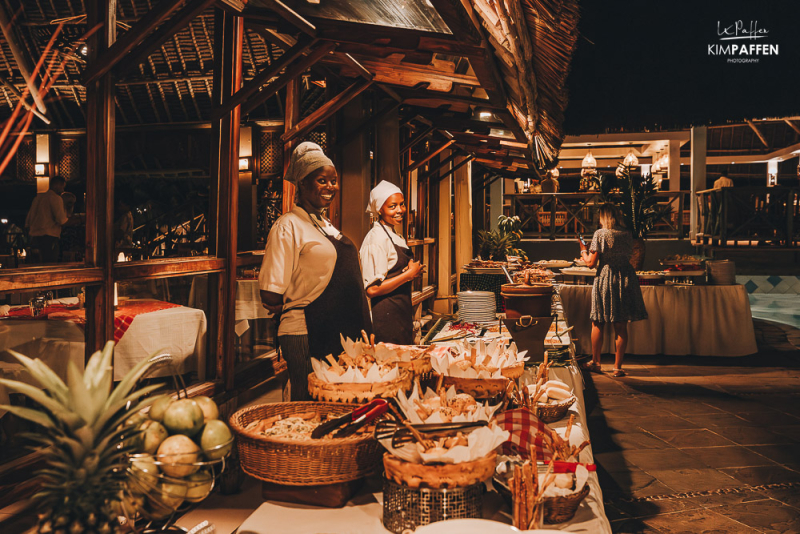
(44, 375)
(129, 382)
(53, 406)
(34, 416)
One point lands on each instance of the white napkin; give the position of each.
(480, 443)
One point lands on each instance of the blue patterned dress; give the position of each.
(616, 295)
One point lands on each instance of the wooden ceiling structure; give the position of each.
(488, 75)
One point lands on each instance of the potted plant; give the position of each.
(84, 439)
(498, 244)
(640, 209)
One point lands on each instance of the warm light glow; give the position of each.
(772, 172)
(630, 160)
(39, 169)
(42, 184)
(42, 148)
(485, 114)
(244, 164)
(589, 162)
(554, 172)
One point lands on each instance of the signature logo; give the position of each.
(742, 52)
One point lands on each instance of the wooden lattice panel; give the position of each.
(69, 159)
(26, 156)
(271, 153)
(319, 138)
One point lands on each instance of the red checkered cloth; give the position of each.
(125, 314)
(523, 427)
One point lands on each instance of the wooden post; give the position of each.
(388, 153)
(462, 211)
(674, 167)
(443, 239)
(290, 119)
(355, 176)
(100, 134)
(228, 31)
(698, 173)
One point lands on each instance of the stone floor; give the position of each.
(702, 445)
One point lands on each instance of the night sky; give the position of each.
(647, 65)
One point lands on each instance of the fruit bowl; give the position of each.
(161, 486)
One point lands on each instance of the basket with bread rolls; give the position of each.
(550, 399)
(363, 371)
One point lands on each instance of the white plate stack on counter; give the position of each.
(477, 306)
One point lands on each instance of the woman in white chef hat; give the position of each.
(388, 267)
(310, 276)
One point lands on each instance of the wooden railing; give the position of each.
(566, 215)
(746, 215)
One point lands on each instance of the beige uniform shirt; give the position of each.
(377, 253)
(723, 181)
(298, 264)
(47, 215)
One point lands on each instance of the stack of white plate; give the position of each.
(477, 306)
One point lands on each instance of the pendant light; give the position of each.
(630, 160)
(589, 162)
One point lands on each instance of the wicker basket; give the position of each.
(303, 463)
(419, 366)
(437, 476)
(479, 388)
(358, 393)
(550, 413)
(561, 509)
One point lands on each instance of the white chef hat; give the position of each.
(306, 158)
(379, 195)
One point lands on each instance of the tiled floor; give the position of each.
(702, 445)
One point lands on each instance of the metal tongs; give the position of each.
(403, 434)
(353, 420)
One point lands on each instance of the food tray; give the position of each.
(554, 264)
(303, 463)
(579, 272)
(684, 273)
(358, 392)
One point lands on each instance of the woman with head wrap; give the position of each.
(388, 267)
(310, 276)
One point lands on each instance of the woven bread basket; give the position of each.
(479, 388)
(358, 393)
(438, 476)
(303, 463)
(562, 508)
(550, 413)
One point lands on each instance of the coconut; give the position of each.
(183, 416)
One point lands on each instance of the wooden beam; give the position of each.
(38, 278)
(149, 22)
(416, 165)
(291, 116)
(19, 57)
(326, 110)
(100, 140)
(292, 71)
(436, 168)
(13, 91)
(416, 140)
(363, 125)
(457, 166)
(291, 16)
(757, 132)
(458, 20)
(284, 42)
(359, 68)
(183, 18)
(251, 87)
(141, 270)
(792, 125)
(417, 94)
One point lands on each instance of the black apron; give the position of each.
(342, 307)
(392, 314)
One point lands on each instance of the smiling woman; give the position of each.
(310, 276)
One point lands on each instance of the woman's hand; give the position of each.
(415, 269)
(273, 302)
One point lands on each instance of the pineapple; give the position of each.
(83, 439)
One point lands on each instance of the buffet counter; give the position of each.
(363, 514)
(683, 320)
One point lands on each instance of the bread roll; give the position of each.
(557, 384)
(558, 394)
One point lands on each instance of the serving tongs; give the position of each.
(404, 433)
(353, 420)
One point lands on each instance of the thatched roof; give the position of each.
(448, 63)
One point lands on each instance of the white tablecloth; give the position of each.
(179, 331)
(683, 320)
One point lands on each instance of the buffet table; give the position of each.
(177, 330)
(683, 320)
